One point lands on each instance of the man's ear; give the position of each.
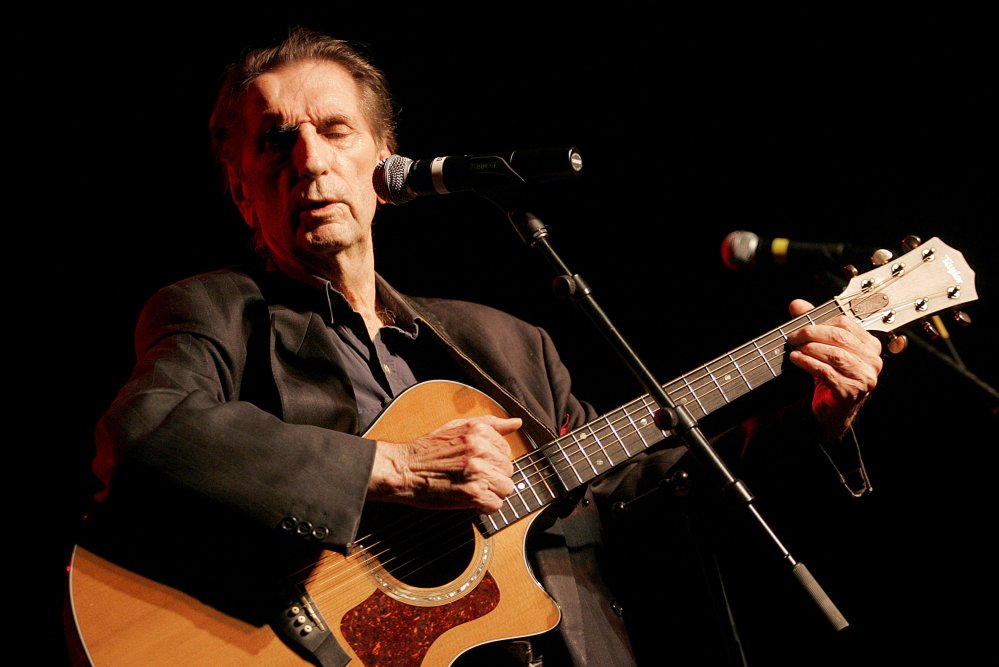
(240, 197)
(382, 154)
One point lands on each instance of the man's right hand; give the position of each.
(463, 464)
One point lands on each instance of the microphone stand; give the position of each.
(506, 190)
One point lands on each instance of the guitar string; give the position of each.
(543, 472)
(328, 581)
(536, 460)
(599, 431)
(755, 351)
(567, 445)
(537, 457)
(446, 522)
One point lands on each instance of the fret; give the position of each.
(492, 521)
(568, 462)
(533, 486)
(582, 450)
(645, 444)
(522, 484)
(718, 386)
(605, 449)
(738, 370)
(694, 394)
(763, 355)
(775, 346)
(722, 373)
(649, 423)
(516, 495)
(542, 474)
(651, 406)
(506, 521)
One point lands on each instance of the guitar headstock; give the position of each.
(929, 278)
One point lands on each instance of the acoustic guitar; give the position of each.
(421, 590)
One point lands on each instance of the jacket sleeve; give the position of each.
(182, 423)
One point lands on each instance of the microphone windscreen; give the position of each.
(738, 250)
(389, 179)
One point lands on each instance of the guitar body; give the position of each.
(377, 614)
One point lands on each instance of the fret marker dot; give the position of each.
(727, 377)
(600, 462)
(644, 422)
(584, 436)
(521, 486)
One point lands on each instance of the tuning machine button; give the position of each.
(930, 330)
(881, 257)
(897, 344)
(911, 242)
(962, 317)
(850, 271)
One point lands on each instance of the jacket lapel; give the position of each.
(308, 373)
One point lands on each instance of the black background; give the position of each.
(813, 124)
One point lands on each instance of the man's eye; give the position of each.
(276, 143)
(273, 147)
(336, 131)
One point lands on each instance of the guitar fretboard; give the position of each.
(608, 441)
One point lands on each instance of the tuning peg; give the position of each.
(881, 257)
(962, 317)
(897, 344)
(850, 271)
(930, 330)
(911, 242)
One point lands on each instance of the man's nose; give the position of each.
(311, 154)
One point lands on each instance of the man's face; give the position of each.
(303, 170)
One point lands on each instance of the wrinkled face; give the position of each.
(302, 175)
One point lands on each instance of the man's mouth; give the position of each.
(316, 205)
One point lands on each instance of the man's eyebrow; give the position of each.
(271, 127)
(324, 124)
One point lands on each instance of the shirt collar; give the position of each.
(320, 295)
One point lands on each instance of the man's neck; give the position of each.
(354, 278)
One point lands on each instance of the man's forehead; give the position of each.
(303, 91)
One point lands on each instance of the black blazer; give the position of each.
(238, 426)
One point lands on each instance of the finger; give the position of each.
(502, 425)
(800, 307)
(837, 367)
(840, 332)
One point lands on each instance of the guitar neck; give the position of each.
(929, 278)
(579, 456)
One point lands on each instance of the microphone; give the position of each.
(398, 179)
(742, 250)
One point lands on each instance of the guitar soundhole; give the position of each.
(424, 549)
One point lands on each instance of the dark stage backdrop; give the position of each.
(814, 125)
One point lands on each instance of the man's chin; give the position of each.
(326, 238)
